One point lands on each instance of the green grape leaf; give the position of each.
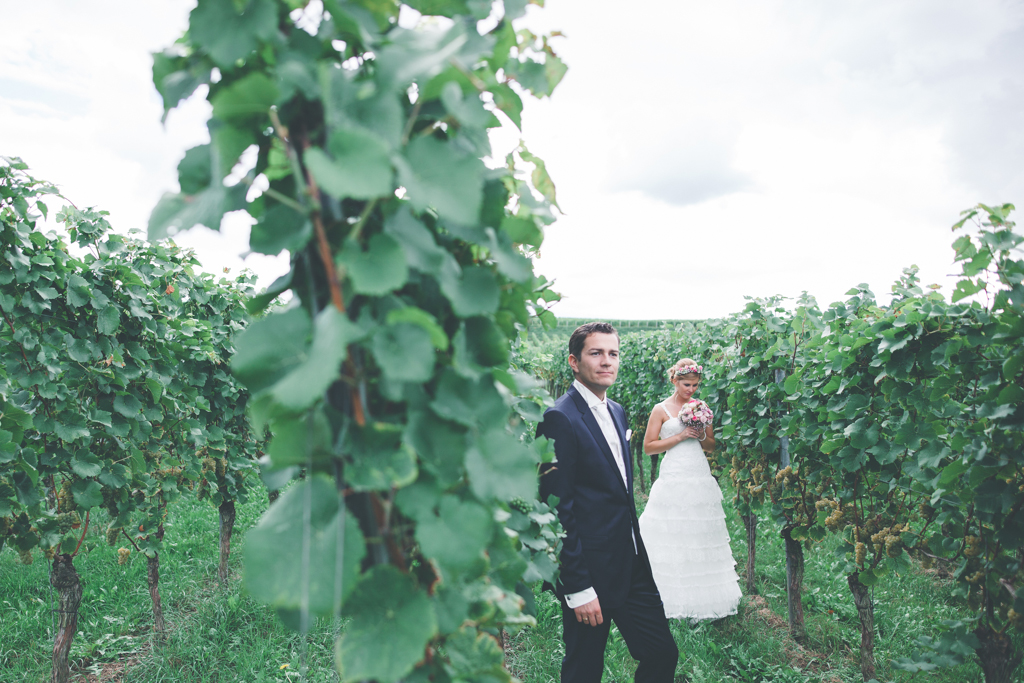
(358, 167)
(417, 316)
(863, 433)
(127, 405)
(80, 350)
(457, 535)
(404, 352)
(230, 30)
(229, 141)
(177, 212)
(296, 439)
(194, 170)
(440, 445)
(270, 347)
(378, 270)
(281, 227)
(468, 401)
(501, 467)
(482, 342)
(444, 8)
(391, 622)
(273, 554)
(380, 460)
(421, 251)
(439, 175)
(522, 230)
(475, 656)
(469, 111)
(245, 101)
(306, 383)
(87, 494)
(506, 99)
(79, 293)
(108, 320)
(155, 388)
(74, 428)
(419, 499)
(85, 464)
(1012, 365)
(475, 292)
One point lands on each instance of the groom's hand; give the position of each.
(590, 613)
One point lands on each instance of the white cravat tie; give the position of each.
(604, 420)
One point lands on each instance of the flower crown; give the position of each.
(689, 369)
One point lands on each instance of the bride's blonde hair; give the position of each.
(679, 364)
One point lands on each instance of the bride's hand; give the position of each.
(689, 433)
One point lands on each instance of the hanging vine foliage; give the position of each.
(386, 378)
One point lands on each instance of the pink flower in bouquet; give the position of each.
(696, 413)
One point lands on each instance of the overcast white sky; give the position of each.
(702, 151)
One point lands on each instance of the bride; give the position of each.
(683, 525)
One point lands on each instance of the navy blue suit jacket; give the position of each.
(597, 511)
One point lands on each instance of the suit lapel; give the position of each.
(627, 454)
(595, 430)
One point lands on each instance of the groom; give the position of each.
(605, 575)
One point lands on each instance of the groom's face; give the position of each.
(598, 364)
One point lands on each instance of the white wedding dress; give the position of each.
(683, 528)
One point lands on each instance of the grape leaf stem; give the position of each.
(85, 528)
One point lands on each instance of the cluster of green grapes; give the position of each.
(109, 500)
(838, 516)
(926, 511)
(785, 475)
(65, 500)
(66, 521)
(972, 546)
(216, 465)
(860, 553)
(122, 556)
(112, 534)
(976, 577)
(202, 489)
(752, 489)
(520, 504)
(889, 539)
(25, 556)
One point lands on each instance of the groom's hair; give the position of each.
(580, 334)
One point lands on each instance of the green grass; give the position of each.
(220, 635)
(213, 634)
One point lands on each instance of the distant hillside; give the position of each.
(536, 332)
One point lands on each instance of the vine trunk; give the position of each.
(794, 585)
(227, 525)
(750, 524)
(866, 612)
(153, 579)
(69, 591)
(996, 654)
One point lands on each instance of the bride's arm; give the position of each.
(708, 444)
(652, 444)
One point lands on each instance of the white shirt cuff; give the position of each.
(575, 600)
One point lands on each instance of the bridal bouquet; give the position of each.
(696, 414)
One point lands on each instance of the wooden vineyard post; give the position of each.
(794, 551)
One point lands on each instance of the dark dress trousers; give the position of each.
(598, 514)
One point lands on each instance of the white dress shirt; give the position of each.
(611, 435)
